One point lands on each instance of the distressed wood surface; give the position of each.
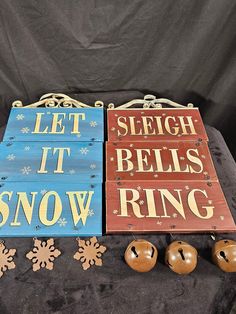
(51, 161)
(55, 124)
(144, 207)
(45, 209)
(183, 160)
(155, 124)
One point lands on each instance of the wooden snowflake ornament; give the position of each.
(6, 259)
(43, 254)
(89, 253)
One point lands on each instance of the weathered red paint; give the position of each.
(169, 161)
(155, 124)
(195, 207)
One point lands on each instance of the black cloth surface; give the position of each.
(179, 49)
(114, 287)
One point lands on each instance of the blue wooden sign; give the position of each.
(46, 209)
(55, 124)
(51, 162)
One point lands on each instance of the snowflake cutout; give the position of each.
(112, 159)
(222, 217)
(72, 171)
(179, 135)
(159, 222)
(138, 121)
(43, 254)
(92, 166)
(131, 174)
(195, 120)
(203, 156)
(145, 136)
(164, 114)
(27, 148)
(90, 212)
(175, 215)
(181, 158)
(141, 202)
(6, 259)
(20, 117)
(25, 130)
(209, 202)
(78, 135)
(26, 170)
(164, 147)
(155, 175)
(93, 124)
(43, 192)
(139, 188)
(115, 211)
(84, 150)
(11, 157)
(176, 124)
(113, 129)
(62, 222)
(186, 187)
(89, 253)
(205, 172)
(131, 145)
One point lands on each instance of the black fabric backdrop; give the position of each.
(180, 49)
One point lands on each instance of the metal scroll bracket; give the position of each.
(52, 100)
(150, 101)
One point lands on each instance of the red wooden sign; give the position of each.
(140, 206)
(155, 124)
(159, 161)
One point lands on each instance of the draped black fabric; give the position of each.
(180, 49)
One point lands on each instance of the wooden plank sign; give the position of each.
(155, 124)
(55, 124)
(148, 206)
(159, 161)
(51, 161)
(46, 209)
(51, 172)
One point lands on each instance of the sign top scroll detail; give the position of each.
(55, 124)
(155, 124)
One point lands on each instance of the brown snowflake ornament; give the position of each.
(6, 259)
(43, 254)
(89, 252)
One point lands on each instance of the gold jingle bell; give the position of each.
(181, 257)
(224, 255)
(141, 255)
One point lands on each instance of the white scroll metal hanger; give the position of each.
(52, 100)
(150, 101)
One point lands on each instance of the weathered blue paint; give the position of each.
(21, 161)
(14, 222)
(22, 124)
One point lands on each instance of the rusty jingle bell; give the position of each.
(181, 257)
(224, 255)
(141, 255)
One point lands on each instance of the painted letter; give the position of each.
(43, 209)
(26, 206)
(81, 197)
